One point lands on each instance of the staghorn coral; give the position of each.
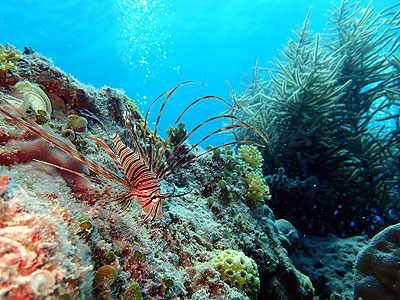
(323, 109)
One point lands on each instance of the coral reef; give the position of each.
(167, 259)
(330, 112)
(38, 254)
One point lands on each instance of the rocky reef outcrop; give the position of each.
(54, 244)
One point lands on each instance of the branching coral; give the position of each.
(322, 110)
(258, 190)
(252, 156)
(8, 56)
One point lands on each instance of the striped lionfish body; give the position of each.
(144, 185)
(142, 166)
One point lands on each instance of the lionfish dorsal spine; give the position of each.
(133, 131)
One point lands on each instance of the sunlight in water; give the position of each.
(145, 33)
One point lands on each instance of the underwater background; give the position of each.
(302, 204)
(148, 47)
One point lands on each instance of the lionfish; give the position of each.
(143, 167)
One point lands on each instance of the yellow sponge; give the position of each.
(239, 271)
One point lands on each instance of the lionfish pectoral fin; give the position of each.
(154, 209)
(91, 178)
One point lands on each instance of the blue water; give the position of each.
(148, 47)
